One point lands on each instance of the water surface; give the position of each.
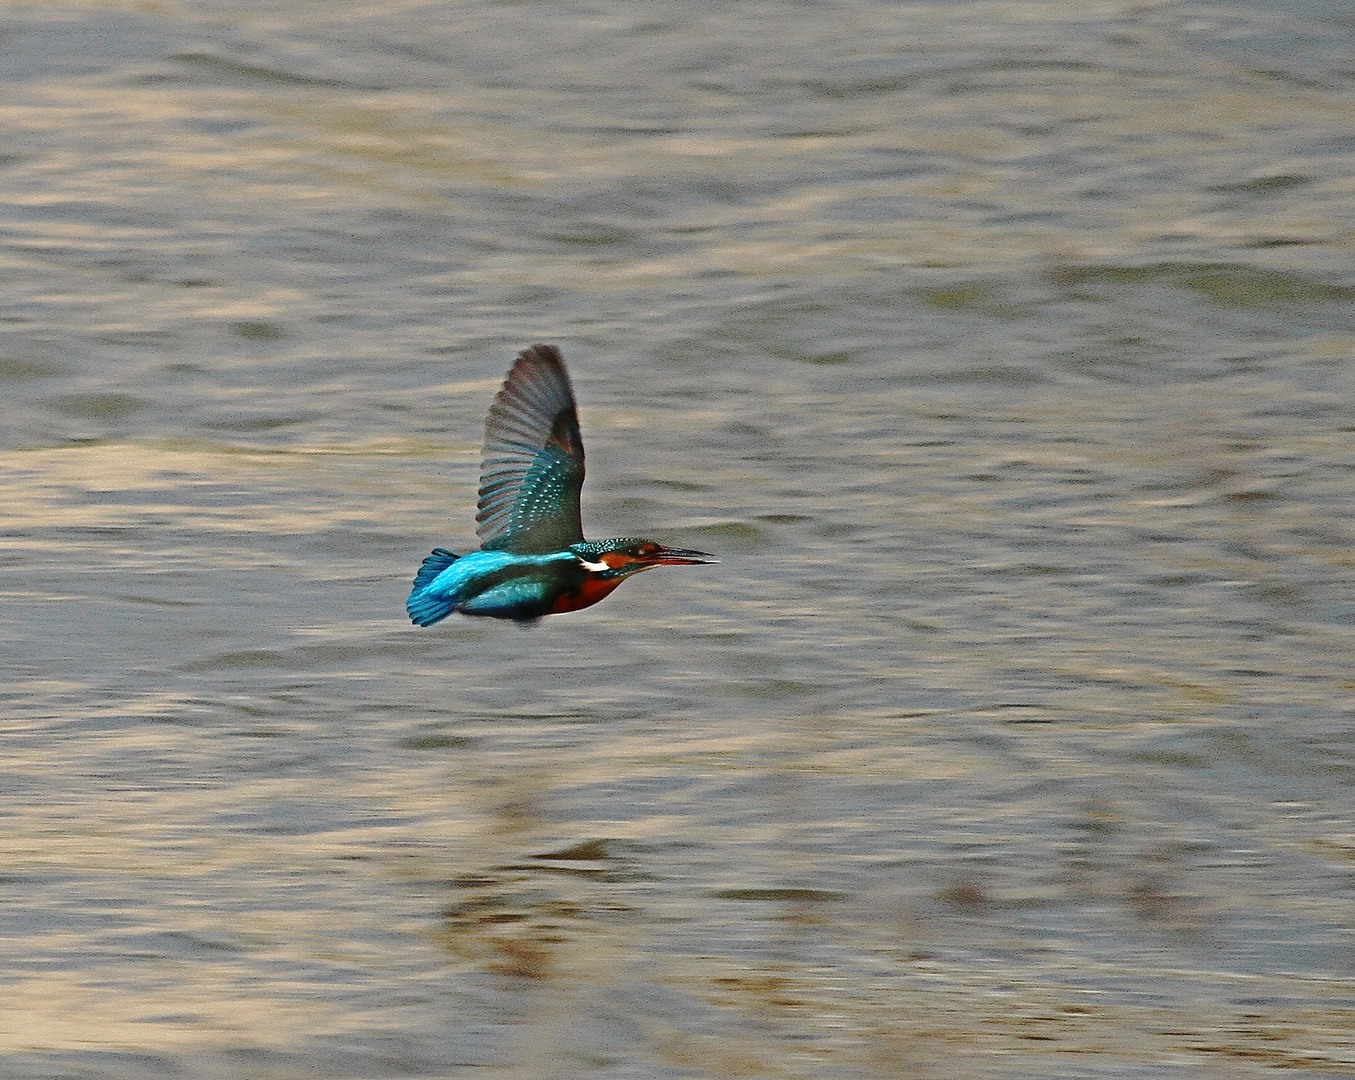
(1002, 350)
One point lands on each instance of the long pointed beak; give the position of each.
(667, 556)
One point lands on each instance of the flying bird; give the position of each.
(533, 559)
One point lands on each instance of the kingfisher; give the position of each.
(533, 559)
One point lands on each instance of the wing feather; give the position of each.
(532, 467)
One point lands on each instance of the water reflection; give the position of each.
(1001, 350)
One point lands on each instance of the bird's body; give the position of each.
(533, 559)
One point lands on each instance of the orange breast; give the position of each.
(587, 594)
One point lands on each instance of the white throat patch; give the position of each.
(596, 567)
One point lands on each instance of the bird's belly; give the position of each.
(586, 595)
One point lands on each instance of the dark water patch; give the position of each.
(1031, 570)
(626, 130)
(257, 424)
(22, 368)
(102, 407)
(1177, 759)
(352, 656)
(522, 926)
(1272, 755)
(1302, 82)
(239, 659)
(840, 356)
(160, 601)
(119, 497)
(595, 235)
(733, 536)
(436, 740)
(847, 87)
(773, 689)
(358, 542)
(184, 942)
(996, 375)
(783, 896)
(586, 850)
(1181, 580)
(258, 331)
(968, 896)
(674, 485)
(1230, 284)
(1154, 365)
(225, 71)
(141, 339)
(1263, 185)
(220, 125)
(955, 297)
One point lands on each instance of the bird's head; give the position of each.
(626, 555)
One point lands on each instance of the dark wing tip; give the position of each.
(539, 360)
(534, 392)
(549, 353)
(538, 381)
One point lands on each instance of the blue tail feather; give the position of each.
(424, 607)
(432, 566)
(426, 610)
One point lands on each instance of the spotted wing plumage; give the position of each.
(533, 461)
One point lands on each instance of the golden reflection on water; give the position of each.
(316, 147)
(998, 348)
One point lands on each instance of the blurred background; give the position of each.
(1002, 350)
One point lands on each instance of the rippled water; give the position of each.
(1004, 352)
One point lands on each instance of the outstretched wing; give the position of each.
(533, 464)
